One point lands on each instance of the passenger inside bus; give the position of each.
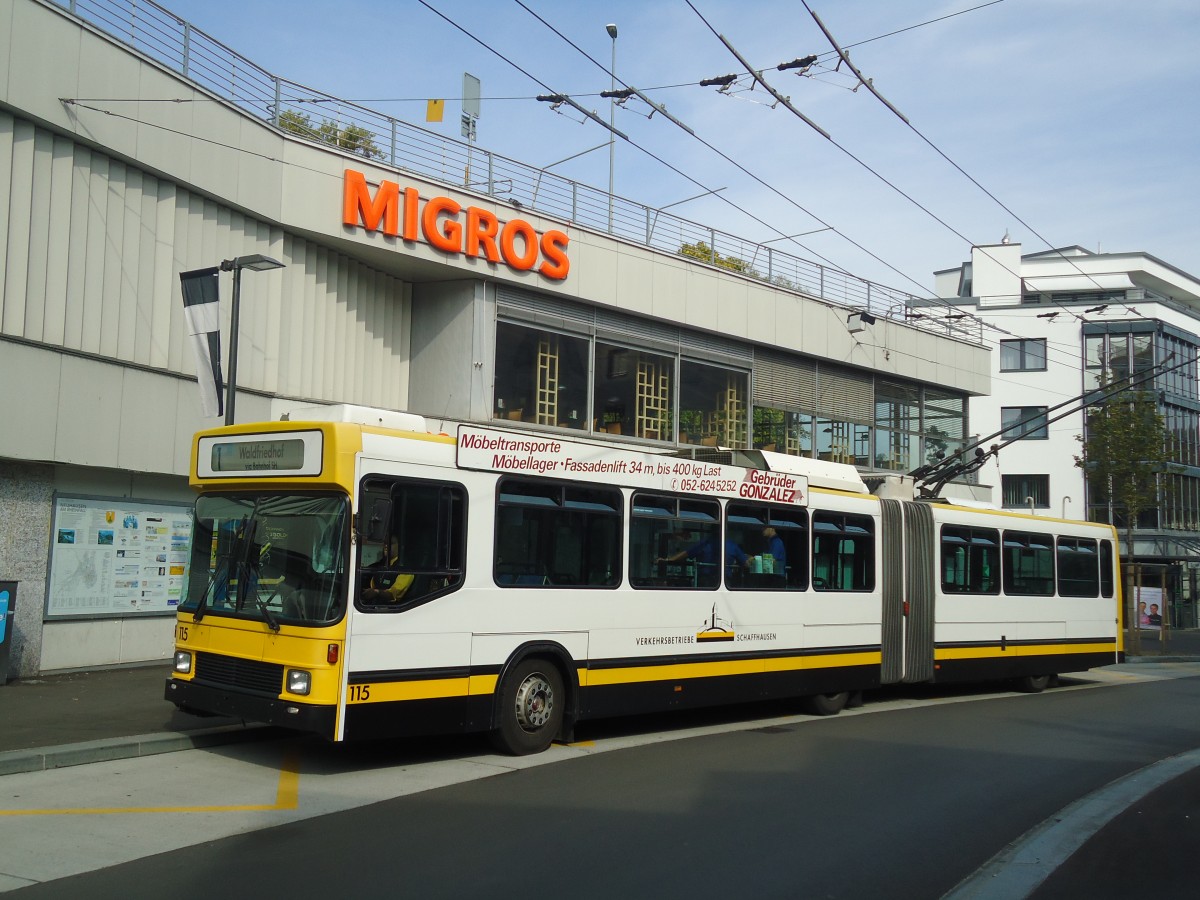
(707, 556)
(383, 583)
(774, 549)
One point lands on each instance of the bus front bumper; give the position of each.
(203, 699)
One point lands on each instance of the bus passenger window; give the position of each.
(1078, 568)
(1028, 564)
(421, 553)
(843, 552)
(775, 540)
(550, 534)
(970, 560)
(1107, 578)
(675, 542)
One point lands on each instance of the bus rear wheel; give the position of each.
(531, 701)
(826, 704)
(1033, 684)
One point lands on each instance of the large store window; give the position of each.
(781, 431)
(563, 380)
(945, 424)
(843, 442)
(897, 426)
(541, 377)
(712, 405)
(633, 390)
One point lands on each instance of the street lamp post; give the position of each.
(255, 263)
(612, 120)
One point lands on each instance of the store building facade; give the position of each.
(401, 289)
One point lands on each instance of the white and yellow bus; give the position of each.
(356, 576)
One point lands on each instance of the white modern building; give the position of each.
(1063, 318)
(419, 273)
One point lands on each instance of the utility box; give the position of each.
(8, 616)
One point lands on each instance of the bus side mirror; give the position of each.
(379, 521)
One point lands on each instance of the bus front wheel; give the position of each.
(531, 701)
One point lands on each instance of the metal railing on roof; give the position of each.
(164, 37)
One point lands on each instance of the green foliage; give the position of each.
(354, 138)
(297, 123)
(704, 253)
(1125, 448)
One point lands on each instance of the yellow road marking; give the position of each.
(287, 796)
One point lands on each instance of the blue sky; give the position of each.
(1079, 115)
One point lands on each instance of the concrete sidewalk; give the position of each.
(82, 717)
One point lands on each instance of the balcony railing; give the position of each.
(159, 34)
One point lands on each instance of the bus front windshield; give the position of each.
(277, 558)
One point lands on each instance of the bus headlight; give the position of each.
(183, 662)
(298, 681)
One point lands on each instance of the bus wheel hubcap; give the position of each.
(535, 702)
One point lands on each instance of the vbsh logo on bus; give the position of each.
(444, 223)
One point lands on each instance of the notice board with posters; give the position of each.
(116, 557)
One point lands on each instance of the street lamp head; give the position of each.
(612, 31)
(258, 263)
(255, 262)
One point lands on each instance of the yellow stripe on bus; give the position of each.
(387, 691)
(477, 685)
(793, 663)
(1019, 650)
(716, 668)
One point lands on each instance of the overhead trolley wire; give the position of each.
(863, 164)
(757, 179)
(869, 85)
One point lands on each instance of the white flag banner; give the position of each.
(202, 311)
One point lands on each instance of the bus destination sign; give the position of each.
(299, 453)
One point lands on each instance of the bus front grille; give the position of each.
(245, 674)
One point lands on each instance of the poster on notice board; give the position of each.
(117, 557)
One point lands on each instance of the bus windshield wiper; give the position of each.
(221, 572)
(252, 570)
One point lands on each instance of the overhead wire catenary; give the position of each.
(742, 168)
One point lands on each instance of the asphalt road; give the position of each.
(904, 804)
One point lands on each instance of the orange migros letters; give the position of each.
(443, 223)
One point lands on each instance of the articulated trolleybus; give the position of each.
(356, 576)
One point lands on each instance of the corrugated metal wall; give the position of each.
(90, 255)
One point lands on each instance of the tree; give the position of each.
(354, 138)
(705, 253)
(1125, 447)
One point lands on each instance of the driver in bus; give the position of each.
(385, 584)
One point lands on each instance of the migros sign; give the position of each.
(445, 224)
